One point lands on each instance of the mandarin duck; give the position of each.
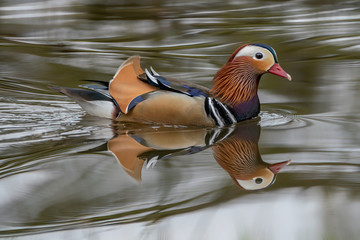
(134, 95)
(234, 148)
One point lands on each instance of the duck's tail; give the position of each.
(93, 102)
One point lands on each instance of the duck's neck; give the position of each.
(237, 85)
(246, 110)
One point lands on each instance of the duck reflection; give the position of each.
(239, 155)
(234, 148)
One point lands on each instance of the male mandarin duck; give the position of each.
(137, 96)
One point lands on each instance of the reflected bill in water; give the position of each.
(235, 148)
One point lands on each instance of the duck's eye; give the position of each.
(259, 55)
(258, 180)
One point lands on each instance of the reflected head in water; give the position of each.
(235, 148)
(239, 156)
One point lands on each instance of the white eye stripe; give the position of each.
(251, 51)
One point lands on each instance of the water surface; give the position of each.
(60, 176)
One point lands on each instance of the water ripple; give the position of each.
(25, 120)
(281, 119)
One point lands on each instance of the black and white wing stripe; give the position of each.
(219, 112)
(153, 78)
(158, 81)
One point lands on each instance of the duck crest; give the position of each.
(268, 48)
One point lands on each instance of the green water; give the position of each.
(60, 177)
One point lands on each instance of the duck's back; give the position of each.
(148, 97)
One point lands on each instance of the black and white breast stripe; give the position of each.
(219, 112)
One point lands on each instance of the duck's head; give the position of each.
(262, 177)
(237, 81)
(261, 57)
(239, 155)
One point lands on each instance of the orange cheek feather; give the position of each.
(262, 66)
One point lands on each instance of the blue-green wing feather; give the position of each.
(173, 85)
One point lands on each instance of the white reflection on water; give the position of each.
(36, 15)
(280, 217)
